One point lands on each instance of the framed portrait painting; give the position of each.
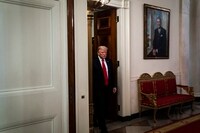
(156, 32)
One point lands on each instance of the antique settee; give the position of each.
(160, 91)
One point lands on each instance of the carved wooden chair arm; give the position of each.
(151, 97)
(188, 89)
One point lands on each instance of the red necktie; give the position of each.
(105, 72)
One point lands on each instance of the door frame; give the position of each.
(123, 56)
(71, 67)
(79, 52)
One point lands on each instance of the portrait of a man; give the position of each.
(156, 32)
(159, 40)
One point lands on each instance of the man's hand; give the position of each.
(114, 90)
(155, 51)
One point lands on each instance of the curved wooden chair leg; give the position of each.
(140, 112)
(192, 106)
(181, 110)
(168, 112)
(154, 116)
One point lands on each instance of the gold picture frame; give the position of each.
(156, 32)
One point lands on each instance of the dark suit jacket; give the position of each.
(159, 41)
(99, 89)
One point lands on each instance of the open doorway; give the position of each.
(102, 30)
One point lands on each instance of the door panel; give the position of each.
(30, 72)
(105, 31)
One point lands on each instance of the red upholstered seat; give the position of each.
(170, 100)
(161, 91)
(185, 97)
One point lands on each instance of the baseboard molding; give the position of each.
(134, 116)
(125, 118)
(197, 99)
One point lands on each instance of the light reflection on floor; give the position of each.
(143, 124)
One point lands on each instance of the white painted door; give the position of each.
(31, 67)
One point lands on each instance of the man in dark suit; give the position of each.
(103, 85)
(159, 42)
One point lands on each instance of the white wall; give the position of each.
(194, 45)
(81, 67)
(138, 64)
(184, 40)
